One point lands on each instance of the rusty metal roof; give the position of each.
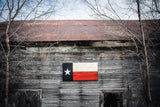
(78, 30)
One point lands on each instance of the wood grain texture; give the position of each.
(41, 68)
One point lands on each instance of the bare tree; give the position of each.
(11, 10)
(152, 12)
(145, 54)
(151, 9)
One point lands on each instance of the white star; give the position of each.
(67, 72)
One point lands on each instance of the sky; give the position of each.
(75, 10)
(79, 9)
(72, 9)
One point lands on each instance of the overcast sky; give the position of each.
(79, 9)
(72, 9)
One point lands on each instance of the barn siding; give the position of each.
(41, 68)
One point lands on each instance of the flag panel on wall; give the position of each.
(80, 71)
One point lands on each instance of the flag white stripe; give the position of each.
(85, 67)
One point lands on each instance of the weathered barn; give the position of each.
(40, 48)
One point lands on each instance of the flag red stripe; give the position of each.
(85, 76)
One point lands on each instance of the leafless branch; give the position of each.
(3, 49)
(19, 7)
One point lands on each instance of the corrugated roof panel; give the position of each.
(77, 30)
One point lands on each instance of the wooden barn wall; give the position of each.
(39, 69)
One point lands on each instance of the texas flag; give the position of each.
(80, 71)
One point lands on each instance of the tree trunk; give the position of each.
(7, 63)
(145, 56)
(7, 81)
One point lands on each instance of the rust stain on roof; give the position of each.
(77, 30)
